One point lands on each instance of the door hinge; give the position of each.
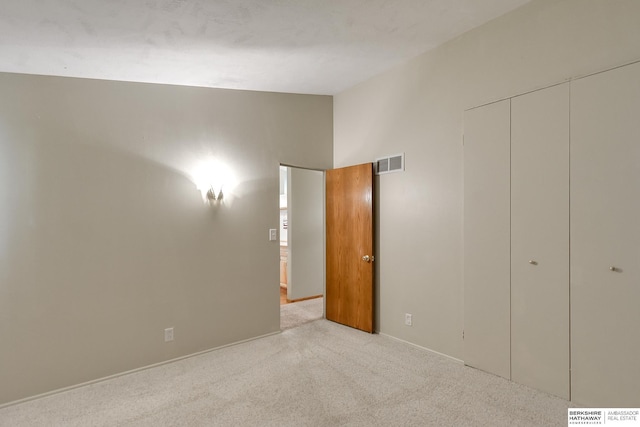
(463, 334)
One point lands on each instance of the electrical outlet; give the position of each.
(408, 319)
(168, 334)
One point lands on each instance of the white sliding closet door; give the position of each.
(605, 238)
(540, 240)
(486, 238)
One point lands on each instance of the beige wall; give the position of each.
(306, 251)
(418, 109)
(105, 241)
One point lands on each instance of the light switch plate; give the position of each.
(273, 234)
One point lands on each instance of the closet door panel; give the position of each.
(486, 238)
(540, 240)
(605, 238)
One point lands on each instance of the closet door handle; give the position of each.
(533, 262)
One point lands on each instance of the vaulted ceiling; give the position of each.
(299, 46)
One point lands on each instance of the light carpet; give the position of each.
(316, 374)
(298, 313)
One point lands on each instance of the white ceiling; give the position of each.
(299, 46)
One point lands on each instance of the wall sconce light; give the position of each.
(211, 195)
(210, 176)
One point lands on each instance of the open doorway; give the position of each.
(284, 243)
(301, 234)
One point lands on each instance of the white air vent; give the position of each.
(390, 164)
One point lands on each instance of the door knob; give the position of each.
(612, 268)
(533, 262)
(368, 258)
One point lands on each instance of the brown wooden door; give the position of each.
(349, 218)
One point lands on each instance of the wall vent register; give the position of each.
(390, 164)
